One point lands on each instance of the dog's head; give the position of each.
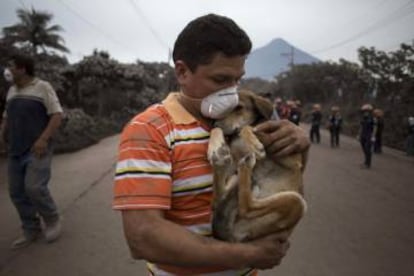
(251, 110)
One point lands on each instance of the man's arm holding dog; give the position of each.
(155, 239)
(282, 138)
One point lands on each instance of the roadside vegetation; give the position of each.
(100, 95)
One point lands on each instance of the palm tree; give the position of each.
(33, 31)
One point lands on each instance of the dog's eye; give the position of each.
(238, 108)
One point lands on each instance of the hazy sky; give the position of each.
(145, 30)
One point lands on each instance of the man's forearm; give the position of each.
(54, 123)
(164, 242)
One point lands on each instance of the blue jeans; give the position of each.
(28, 179)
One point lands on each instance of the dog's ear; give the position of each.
(263, 105)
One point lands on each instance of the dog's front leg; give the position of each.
(251, 143)
(245, 167)
(219, 156)
(254, 151)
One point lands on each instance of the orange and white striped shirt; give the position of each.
(162, 164)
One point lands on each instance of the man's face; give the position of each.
(16, 71)
(221, 73)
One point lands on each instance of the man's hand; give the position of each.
(282, 138)
(270, 250)
(39, 147)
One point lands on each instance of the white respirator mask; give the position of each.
(220, 103)
(8, 76)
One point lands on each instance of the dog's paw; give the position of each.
(218, 152)
(252, 143)
(258, 149)
(220, 155)
(248, 160)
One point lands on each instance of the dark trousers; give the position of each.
(378, 144)
(315, 135)
(334, 137)
(410, 145)
(367, 149)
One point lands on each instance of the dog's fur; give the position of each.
(253, 195)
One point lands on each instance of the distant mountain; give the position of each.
(274, 58)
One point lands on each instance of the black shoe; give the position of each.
(364, 166)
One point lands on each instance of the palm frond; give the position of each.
(34, 28)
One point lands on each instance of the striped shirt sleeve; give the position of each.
(143, 170)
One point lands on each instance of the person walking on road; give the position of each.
(163, 180)
(379, 129)
(410, 137)
(316, 119)
(335, 126)
(282, 108)
(295, 113)
(31, 117)
(367, 133)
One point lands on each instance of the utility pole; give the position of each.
(291, 56)
(169, 55)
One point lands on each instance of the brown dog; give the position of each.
(253, 195)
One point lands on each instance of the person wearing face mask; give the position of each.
(32, 115)
(9, 79)
(367, 134)
(335, 126)
(379, 127)
(163, 180)
(409, 143)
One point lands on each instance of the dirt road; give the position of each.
(359, 222)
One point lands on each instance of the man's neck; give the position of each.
(194, 110)
(24, 81)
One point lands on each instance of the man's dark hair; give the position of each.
(208, 35)
(24, 61)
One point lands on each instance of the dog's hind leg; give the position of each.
(250, 229)
(289, 205)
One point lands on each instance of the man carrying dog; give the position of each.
(32, 115)
(163, 182)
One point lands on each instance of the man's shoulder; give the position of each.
(41, 83)
(11, 91)
(155, 115)
(151, 124)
